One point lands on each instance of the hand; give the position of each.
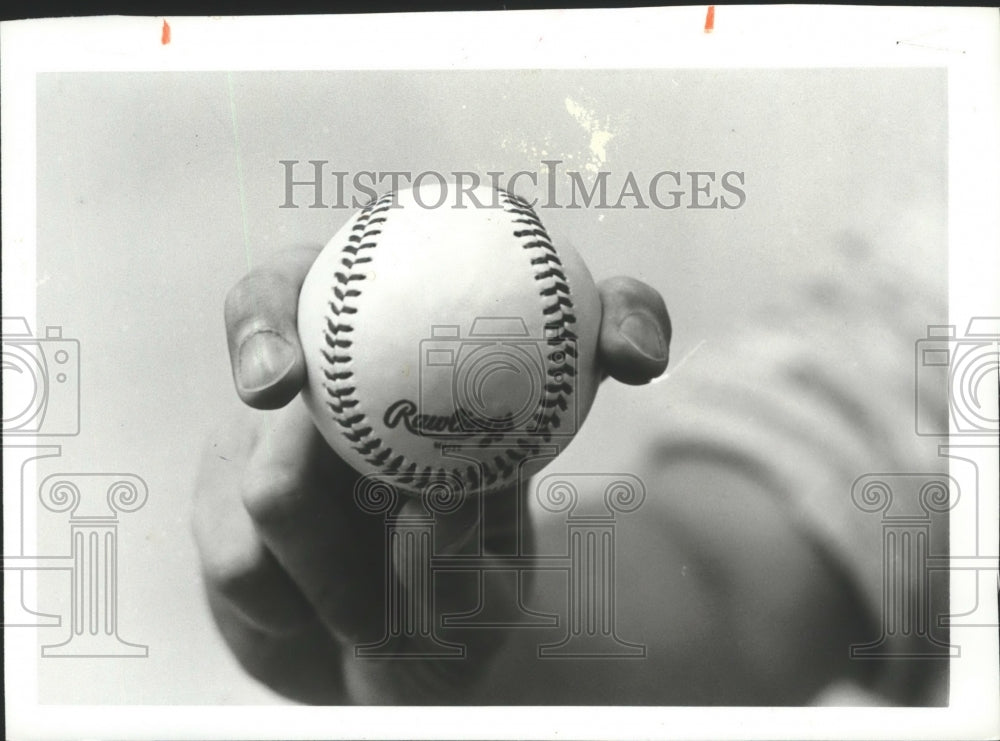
(293, 570)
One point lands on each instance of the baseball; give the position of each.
(449, 340)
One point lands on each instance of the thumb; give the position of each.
(261, 329)
(635, 330)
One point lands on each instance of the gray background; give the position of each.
(142, 232)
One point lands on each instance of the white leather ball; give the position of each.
(448, 343)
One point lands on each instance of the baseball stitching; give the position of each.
(556, 306)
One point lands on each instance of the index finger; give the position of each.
(261, 329)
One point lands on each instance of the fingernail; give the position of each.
(644, 335)
(265, 357)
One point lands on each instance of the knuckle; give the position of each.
(346, 618)
(237, 298)
(331, 601)
(620, 284)
(632, 290)
(272, 497)
(244, 298)
(234, 572)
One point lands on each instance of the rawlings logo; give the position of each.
(457, 424)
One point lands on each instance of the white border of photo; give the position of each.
(965, 41)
